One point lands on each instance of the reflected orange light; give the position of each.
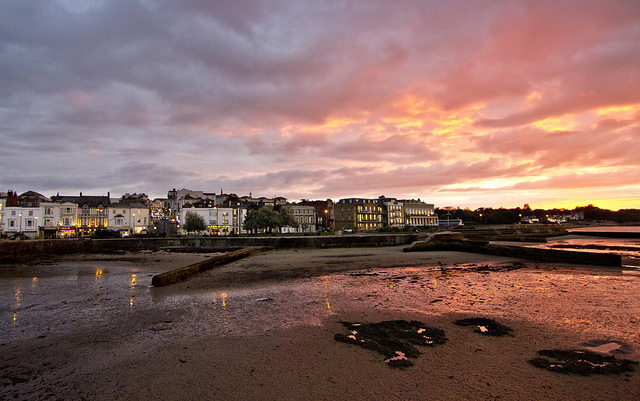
(326, 282)
(223, 296)
(18, 296)
(133, 280)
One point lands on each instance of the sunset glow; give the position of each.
(469, 104)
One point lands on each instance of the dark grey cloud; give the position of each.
(304, 98)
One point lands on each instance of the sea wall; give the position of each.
(536, 254)
(29, 250)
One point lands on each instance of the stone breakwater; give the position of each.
(32, 250)
(456, 242)
(184, 273)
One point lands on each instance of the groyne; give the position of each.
(607, 234)
(183, 273)
(31, 250)
(451, 242)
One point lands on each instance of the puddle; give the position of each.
(607, 346)
(395, 339)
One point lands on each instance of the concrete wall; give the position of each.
(23, 251)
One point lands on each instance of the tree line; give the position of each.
(514, 215)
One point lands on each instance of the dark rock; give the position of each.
(491, 327)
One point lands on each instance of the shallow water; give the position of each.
(115, 300)
(628, 248)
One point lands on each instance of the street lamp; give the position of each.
(326, 219)
(37, 228)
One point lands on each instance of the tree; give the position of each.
(286, 218)
(194, 222)
(267, 218)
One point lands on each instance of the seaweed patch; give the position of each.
(486, 326)
(395, 339)
(581, 362)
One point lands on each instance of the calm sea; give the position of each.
(628, 248)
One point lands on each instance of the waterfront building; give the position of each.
(358, 214)
(92, 212)
(419, 214)
(218, 220)
(128, 218)
(22, 220)
(305, 215)
(324, 210)
(3, 203)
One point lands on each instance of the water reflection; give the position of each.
(18, 300)
(326, 285)
(223, 296)
(132, 286)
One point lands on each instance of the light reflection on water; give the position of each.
(628, 248)
(99, 300)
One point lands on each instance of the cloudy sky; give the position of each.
(460, 103)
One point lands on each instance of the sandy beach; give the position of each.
(263, 328)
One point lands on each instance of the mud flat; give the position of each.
(264, 327)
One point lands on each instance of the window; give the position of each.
(12, 223)
(67, 221)
(13, 212)
(119, 221)
(30, 212)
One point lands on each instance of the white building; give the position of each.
(68, 219)
(22, 220)
(49, 225)
(218, 220)
(128, 218)
(420, 214)
(306, 218)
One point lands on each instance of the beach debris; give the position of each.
(264, 299)
(395, 339)
(581, 362)
(486, 326)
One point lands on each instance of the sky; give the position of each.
(457, 103)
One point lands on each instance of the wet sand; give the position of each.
(263, 328)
